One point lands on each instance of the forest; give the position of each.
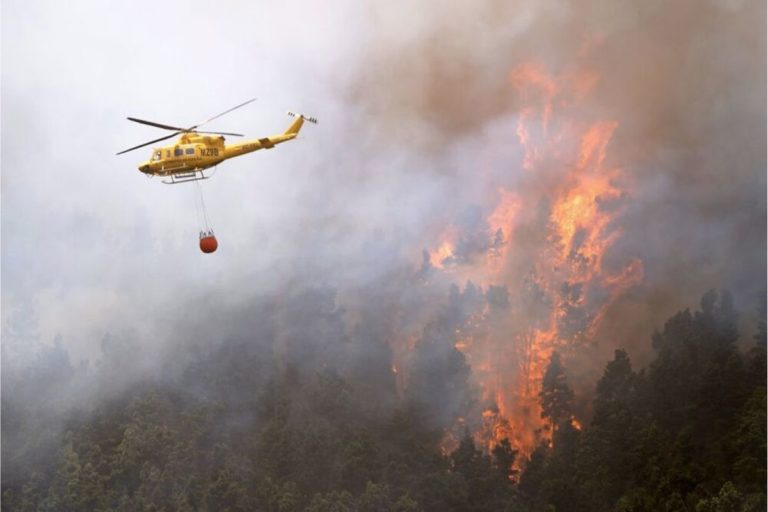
(319, 425)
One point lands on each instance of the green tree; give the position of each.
(610, 454)
(533, 478)
(556, 397)
(729, 499)
(504, 457)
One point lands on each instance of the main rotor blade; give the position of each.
(150, 142)
(157, 125)
(176, 128)
(222, 133)
(225, 112)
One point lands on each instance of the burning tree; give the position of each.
(542, 258)
(556, 397)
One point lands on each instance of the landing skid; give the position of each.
(185, 177)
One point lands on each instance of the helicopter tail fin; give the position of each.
(298, 123)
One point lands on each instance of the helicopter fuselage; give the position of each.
(196, 152)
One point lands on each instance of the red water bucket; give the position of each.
(208, 243)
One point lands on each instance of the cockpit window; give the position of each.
(157, 156)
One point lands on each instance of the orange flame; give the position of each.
(566, 166)
(445, 251)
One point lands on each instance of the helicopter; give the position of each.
(195, 151)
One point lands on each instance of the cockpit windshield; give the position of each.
(157, 155)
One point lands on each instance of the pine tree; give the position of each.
(504, 459)
(609, 456)
(556, 396)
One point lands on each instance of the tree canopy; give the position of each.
(244, 428)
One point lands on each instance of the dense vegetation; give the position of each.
(246, 427)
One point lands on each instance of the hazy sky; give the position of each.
(87, 241)
(409, 97)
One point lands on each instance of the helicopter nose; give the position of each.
(144, 168)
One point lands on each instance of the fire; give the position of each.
(501, 222)
(552, 266)
(442, 256)
(495, 427)
(400, 359)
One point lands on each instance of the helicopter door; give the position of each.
(174, 159)
(190, 156)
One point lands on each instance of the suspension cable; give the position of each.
(203, 209)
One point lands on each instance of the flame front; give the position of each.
(548, 237)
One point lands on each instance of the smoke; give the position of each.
(684, 82)
(661, 109)
(419, 143)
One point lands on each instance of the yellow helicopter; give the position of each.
(196, 151)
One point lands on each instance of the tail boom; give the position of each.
(249, 146)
